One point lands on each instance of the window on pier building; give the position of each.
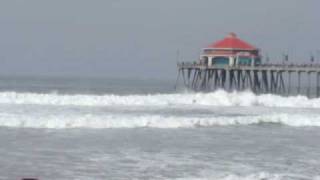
(244, 60)
(220, 60)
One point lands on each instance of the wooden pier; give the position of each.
(282, 79)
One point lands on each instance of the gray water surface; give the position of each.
(257, 151)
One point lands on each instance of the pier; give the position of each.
(235, 65)
(264, 78)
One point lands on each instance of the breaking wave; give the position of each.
(180, 110)
(152, 121)
(218, 98)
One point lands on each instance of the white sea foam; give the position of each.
(153, 121)
(256, 176)
(253, 176)
(218, 98)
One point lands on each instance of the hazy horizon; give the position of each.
(140, 39)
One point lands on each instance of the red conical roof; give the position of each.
(231, 42)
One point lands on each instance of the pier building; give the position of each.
(230, 51)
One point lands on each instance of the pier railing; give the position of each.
(268, 66)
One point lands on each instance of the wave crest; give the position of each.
(218, 98)
(152, 121)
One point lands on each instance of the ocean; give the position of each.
(120, 129)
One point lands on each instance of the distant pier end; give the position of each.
(233, 64)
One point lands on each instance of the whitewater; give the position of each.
(218, 98)
(94, 129)
(176, 110)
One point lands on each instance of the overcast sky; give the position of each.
(140, 38)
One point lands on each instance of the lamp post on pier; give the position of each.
(312, 59)
(285, 58)
(267, 59)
